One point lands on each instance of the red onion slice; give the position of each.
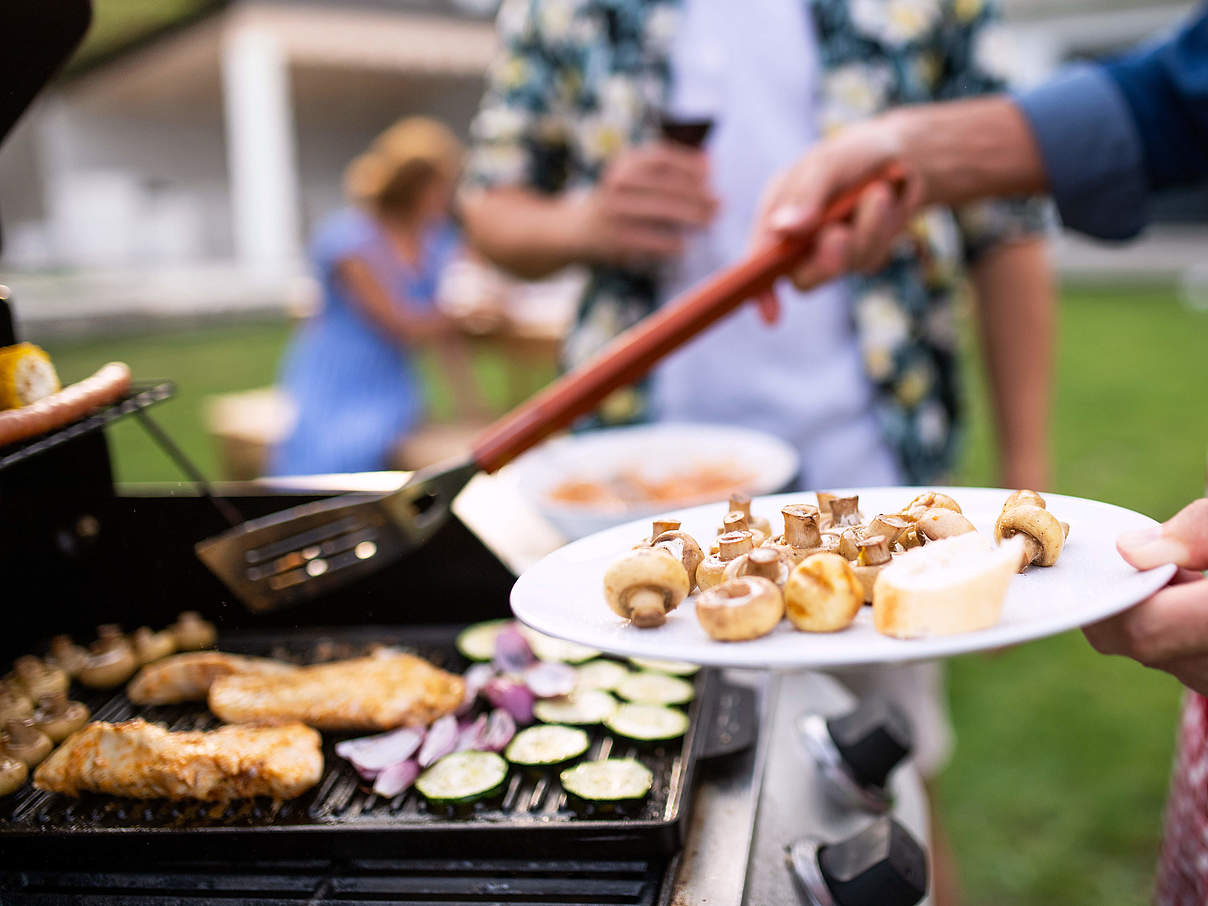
(549, 679)
(499, 732)
(442, 739)
(396, 778)
(376, 753)
(475, 678)
(472, 735)
(512, 651)
(513, 696)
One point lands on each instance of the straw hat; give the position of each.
(416, 146)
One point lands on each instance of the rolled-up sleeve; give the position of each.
(1092, 152)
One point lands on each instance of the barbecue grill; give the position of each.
(728, 799)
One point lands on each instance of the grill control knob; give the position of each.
(857, 752)
(882, 865)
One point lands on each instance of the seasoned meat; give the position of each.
(145, 761)
(188, 677)
(379, 692)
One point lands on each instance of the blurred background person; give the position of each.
(568, 166)
(349, 369)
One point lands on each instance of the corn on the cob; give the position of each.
(26, 375)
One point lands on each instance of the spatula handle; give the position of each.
(633, 353)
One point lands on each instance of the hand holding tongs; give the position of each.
(302, 551)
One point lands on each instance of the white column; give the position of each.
(261, 157)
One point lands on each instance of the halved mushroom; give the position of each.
(14, 703)
(645, 585)
(802, 535)
(151, 646)
(765, 562)
(822, 594)
(111, 660)
(939, 522)
(873, 556)
(684, 548)
(658, 527)
(192, 632)
(740, 609)
(730, 546)
(67, 655)
(25, 742)
(58, 717)
(1042, 533)
(37, 678)
(741, 502)
(12, 774)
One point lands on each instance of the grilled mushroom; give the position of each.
(940, 522)
(1043, 535)
(764, 562)
(889, 526)
(645, 585)
(731, 546)
(25, 742)
(849, 542)
(38, 678)
(58, 717)
(845, 511)
(801, 534)
(873, 557)
(736, 521)
(742, 503)
(740, 609)
(929, 499)
(684, 548)
(192, 632)
(151, 646)
(1024, 496)
(658, 527)
(822, 594)
(12, 774)
(111, 660)
(14, 703)
(67, 655)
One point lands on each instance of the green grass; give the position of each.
(1055, 793)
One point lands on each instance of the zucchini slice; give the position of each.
(547, 648)
(647, 723)
(547, 746)
(610, 781)
(649, 688)
(600, 675)
(584, 708)
(463, 777)
(477, 642)
(672, 668)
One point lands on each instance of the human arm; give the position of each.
(1013, 285)
(399, 322)
(1166, 631)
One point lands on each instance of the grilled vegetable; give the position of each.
(647, 723)
(477, 642)
(12, 774)
(672, 668)
(600, 675)
(547, 746)
(610, 782)
(547, 648)
(655, 689)
(65, 406)
(26, 375)
(584, 708)
(463, 778)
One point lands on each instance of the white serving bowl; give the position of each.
(653, 451)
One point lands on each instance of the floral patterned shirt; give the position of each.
(579, 80)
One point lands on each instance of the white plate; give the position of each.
(652, 450)
(562, 594)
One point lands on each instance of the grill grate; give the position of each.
(342, 808)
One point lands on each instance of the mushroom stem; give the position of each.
(647, 607)
(664, 525)
(801, 526)
(734, 544)
(741, 502)
(873, 551)
(735, 521)
(846, 511)
(1032, 550)
(765, 563)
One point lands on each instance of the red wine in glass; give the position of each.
(691, 132)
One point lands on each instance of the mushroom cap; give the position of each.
(734, 544)
(822, 594)
(1037, 523)
(767, 562)
(927, 500)
(652, 569)
(12, 774)
(684, 547)
(940, 522)
(1024, 496)
(740, 609)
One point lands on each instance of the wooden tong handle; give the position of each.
(633, 353)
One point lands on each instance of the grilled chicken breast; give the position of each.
(145, 761)
(188, 677)
(385, 690)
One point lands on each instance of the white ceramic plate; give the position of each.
(652, 450)
(562, 594)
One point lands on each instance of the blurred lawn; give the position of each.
(1055, 793)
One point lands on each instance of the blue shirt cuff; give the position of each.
(1091, 151)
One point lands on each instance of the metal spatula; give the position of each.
(306, 550)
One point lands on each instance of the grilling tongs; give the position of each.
(306, 550)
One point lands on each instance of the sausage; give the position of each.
(108, 384)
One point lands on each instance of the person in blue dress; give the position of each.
(349, 370)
